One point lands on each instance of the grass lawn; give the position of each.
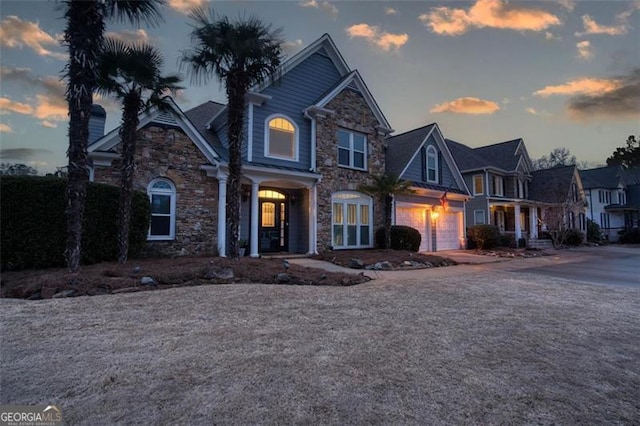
(475, 346)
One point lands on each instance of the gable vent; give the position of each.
(166, 118)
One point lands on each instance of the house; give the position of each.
(560, 194)
(611, 202)
(310, 139)
(422, 157)
(499, 177)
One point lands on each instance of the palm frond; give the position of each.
(135, 11)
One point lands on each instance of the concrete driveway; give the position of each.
(470, 344)
(608, 265)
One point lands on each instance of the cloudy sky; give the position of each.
(558, 73)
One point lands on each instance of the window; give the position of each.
(583, 221)
(520, 189)
(352, 150)
(604, 220)
(572, 220)
(432, 164)
(478, 185)
(499, 220)
(281, 139)
(498, 186)
(478, 217)
(574, 192)
(351, 220)
(162, 194)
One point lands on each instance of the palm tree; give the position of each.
(132, 74)
(241, 54)
(84, 36)
(384, 187)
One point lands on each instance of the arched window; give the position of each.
(351, 217)
(432, 164)
(162, 194)
(281, 138)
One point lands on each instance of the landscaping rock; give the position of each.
(215, 273)
(97, 291)
(148, 281)
(356, 264)
(408, 263)
(383, 266)
(136, 269)
(35, 296)
(65, 293)
(427, 265)
(283, 278)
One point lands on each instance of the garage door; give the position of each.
(414, 217)
(448, 231)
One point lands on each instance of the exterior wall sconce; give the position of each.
(434, 215)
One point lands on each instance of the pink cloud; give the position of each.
(468, 105)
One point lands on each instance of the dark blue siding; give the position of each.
(414, 171)
(295, 91)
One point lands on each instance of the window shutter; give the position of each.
(423, 157)
(440, 167)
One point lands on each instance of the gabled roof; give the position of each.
(403, 148)
(545, 183)
(602, 177)
(504, 156)
(354, 79)
(173, 115)
(200, 116)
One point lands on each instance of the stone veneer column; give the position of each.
(222, 217)
(313, 219)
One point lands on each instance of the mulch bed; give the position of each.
(398, 259)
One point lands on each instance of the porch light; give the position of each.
(434, 215)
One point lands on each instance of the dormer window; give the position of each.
(281, 138)
(432, 164)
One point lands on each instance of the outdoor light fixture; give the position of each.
(434, 215)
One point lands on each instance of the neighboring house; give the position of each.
(437, 207)
(560, 194)
(499, 178)
(611, 203)
(310, 139)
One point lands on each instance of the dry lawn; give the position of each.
(467, 347)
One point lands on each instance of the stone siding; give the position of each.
(351, 113)
(169, 153)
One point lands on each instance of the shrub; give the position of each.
(522, 242)
(593, 232)
(402, 238)
(484, 236)
(507, 240)
(573, 237)
(630, 236)
(34, 229)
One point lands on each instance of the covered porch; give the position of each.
(522, 220)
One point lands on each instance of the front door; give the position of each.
(272, 231)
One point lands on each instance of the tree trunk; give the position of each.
(83, 34)
(128, 135)
(236, 90)
(388, 205)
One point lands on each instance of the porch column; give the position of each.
(518, 227)
(313, 219)
(253, 249)
(222, 217)
(533, 222)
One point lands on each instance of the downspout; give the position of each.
(313, 144)
(250, 134)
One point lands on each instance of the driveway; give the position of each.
(609, 265)
(456, 345)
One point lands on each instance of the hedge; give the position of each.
(33, 223)
(483, 236)
(402, 238)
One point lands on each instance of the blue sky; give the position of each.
(559, 73)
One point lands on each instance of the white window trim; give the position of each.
(432, 152)
(498, 186)
(352, 150)
(172, 212)
(362, 199)
(473, 184)
(296, 139)
(484, 215)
